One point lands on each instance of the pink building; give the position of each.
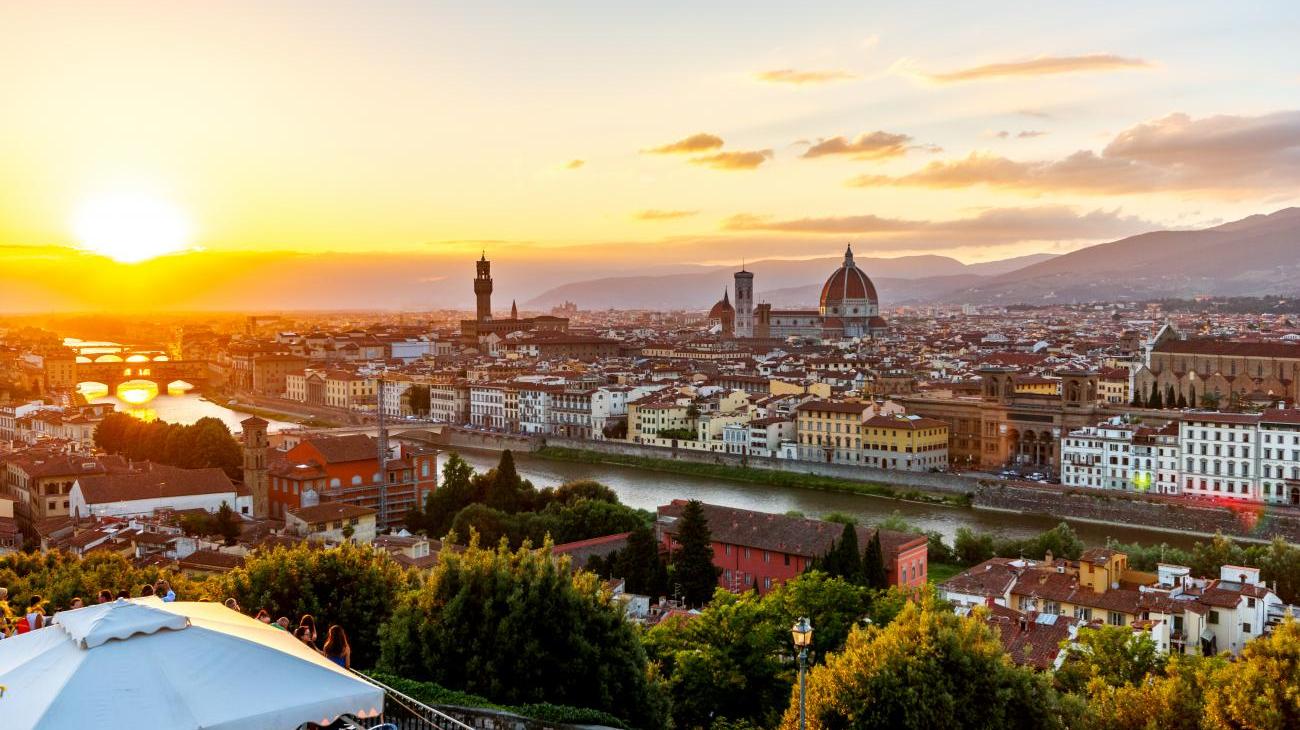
(758, 549)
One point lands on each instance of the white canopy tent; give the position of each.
(143, 663)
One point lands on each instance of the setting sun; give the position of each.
(131, 227)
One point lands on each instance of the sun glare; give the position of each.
(131, 227)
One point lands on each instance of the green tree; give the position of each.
(641, 565)
(504, 488)
(873, 564)
(519, 627)
(692, 571)
(727, 662)
(844, 558)
(354, 586)
(1114, 655)
(455, 493)
(971, 547)
(929, 668)
(1261, 689)
(226, 524)
(1155, 401)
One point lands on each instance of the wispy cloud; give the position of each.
(995, 225)
(871, 146)
(701, 142)
(797, 77)
(1174, 153)
(574, 164)
(1040, 66)
(739, 160)
(654, 214)
(1023, 134)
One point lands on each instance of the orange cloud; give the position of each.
(1041, 66)
(747, 160)
(695, 143)
(794, 76)
(872, 146)
(663, 215)
(1176, 152)
(574, 164)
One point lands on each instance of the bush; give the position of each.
(351, 585)
(519, 628)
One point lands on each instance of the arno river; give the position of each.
(649, 489)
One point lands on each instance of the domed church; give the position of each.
(848, 308)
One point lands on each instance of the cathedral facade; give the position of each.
(847, 308)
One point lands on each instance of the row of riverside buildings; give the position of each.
(1251, 457)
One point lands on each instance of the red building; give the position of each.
(758, 549)
(346, 469)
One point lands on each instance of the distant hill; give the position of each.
(781, 282)
(1250, 257)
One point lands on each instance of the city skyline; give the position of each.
(435, 131)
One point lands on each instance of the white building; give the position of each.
(1279, 458)
(1219, 453)
(1119, 455)
(332, 522)
(487, 405)
(156, 487)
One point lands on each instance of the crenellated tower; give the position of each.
(483, 288)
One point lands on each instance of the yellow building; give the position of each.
(646, 419)
(785, 387)
(909, 443)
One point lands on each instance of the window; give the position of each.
(1115, 618)
(1245, 627)
(1214, 617)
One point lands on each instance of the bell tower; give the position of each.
(483, 288)
(255, 469)
(744, 303)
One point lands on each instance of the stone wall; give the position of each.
(928, 481)
(1250, 521)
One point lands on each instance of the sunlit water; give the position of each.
(649, 489)
(185, 408)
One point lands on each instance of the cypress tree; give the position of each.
(640, 565)
(844, 559)
(873, 564)
(693, 574)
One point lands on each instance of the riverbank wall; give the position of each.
(1244, 522)
(923, 481)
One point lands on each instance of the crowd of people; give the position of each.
(38, 614)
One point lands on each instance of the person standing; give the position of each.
(163, 590)
(309, 622)
(336, 647)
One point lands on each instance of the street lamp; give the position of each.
(802, 633)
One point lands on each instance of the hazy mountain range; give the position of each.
(1253, 256)
(781, 282)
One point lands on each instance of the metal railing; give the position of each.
(407, 713)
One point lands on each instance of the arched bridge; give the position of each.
(113, 374)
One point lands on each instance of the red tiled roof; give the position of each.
(155, 481)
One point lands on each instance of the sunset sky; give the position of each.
(637, 131)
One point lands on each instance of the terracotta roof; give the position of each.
(341, 449)
(800, 536)
(155, 481)
(329, 511)
(211, 560)
(1209, 346)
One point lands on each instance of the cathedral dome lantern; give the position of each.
(849, 292)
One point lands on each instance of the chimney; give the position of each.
(1047, 559)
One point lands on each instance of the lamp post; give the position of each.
(802, 633)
